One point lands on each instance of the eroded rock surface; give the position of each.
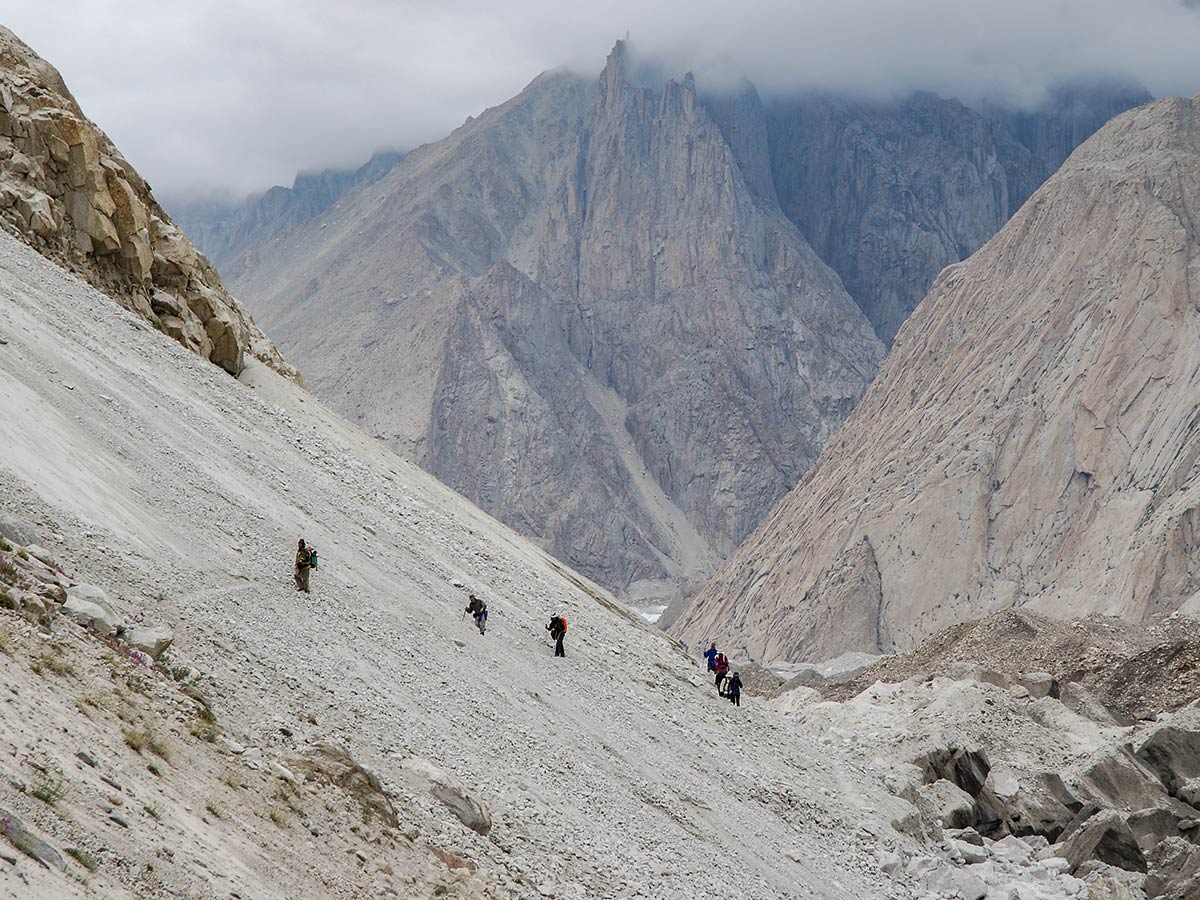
(68, 192)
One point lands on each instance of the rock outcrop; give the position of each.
(1030, 441)
(581, 311)
(66, 191)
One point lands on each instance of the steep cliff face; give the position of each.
(891, 193)
(227, 231)
(578, 311)
(66, 191)
(1031, 440)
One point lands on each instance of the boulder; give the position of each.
(1172, 752)
(1117, 778)
(41, 554)
(469, 809)
(1104, 836)
(970, 671)
(1035, 805)
(1152, 825)
(152, 641)
(1077, 698)
(1039, 684)
(966, 768)
(12, 828)
(89, 606)
(946, 802)
(967, 852)
(950, 881)
(17, 531)
(966, 835)
(333, 763)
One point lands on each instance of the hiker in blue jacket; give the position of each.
(711, 655)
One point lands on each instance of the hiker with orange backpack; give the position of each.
(558, 630)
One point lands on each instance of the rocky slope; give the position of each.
(577, 311)
(889, 193)
(67, 192)
(225, 231)
(180, 493)
(180, 723)
(1030, 441)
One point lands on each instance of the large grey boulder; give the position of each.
(1116, 777)
(1104, 836)
(152, 640)
(1077, 698)
(453, 794)
(89, 606)
(944, 801)
(1173, 753)
(17, 531)
(950, 881)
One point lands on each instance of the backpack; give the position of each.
(563, 619)
(312, 556)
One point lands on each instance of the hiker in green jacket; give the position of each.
(306, 561)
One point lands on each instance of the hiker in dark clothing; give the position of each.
(711, 656)
(478, 609)
(305, 563)
(558, 630)
(721, 667)
(733, 689)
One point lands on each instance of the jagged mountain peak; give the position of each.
(671, 287)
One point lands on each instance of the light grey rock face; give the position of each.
(578, 312)
(66, 191)
(89, 606)
(226, 231)
(1030, 440)
(890, 193)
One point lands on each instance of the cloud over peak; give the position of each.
(240, 96)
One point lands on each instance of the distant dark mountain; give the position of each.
(225, 230)
(889, 194)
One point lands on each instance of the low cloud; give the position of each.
(239, 96)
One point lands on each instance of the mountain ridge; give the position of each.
(1030, 440)
(660, 277)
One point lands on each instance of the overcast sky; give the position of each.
(241, 94)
